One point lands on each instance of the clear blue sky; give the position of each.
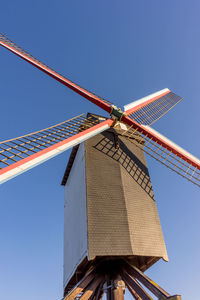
(122, 50)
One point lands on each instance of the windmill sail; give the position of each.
(31, 150)
(164, 150)
(11, 46)
(23, 153)
(151, 108)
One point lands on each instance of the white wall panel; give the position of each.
(75, 217)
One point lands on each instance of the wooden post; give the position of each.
(118, 289)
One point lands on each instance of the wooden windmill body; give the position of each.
(110, 210)
(112, 228)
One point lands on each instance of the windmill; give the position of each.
(129, 128)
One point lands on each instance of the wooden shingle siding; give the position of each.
(121, 210)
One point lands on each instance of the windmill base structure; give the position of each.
(112, 230)
(112, 277)
(111, 220)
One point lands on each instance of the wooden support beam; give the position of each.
(133, 293)
(81, 285)
(132, 282)
(89, 292)
(146, 281)
(100, 292)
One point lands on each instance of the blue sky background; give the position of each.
(122, 50)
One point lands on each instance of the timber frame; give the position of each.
(112, 277)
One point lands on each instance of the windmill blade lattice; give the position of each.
(22, 153)
(151, 108)
(153, 111)
(11, 46)
(173, 156)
